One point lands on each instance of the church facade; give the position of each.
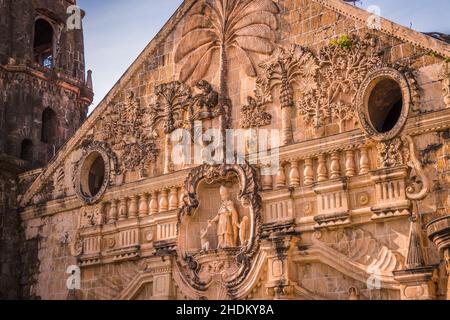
(341, 190)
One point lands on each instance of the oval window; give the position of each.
(92, 175)
(383, 104)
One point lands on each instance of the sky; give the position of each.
(116, 31)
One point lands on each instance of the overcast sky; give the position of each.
(116, 31)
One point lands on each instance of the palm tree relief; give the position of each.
(217, 27)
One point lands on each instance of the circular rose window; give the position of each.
(383, 104)
(92, 176)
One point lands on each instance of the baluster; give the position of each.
(123, 209)
(335, 167)
(112, 214)
(350, 167)
(143, 205)
(364, 161)
(163, 202)
(173, 199)
(154, 203)
(280, 179)
(133, 210)
(181, 195)
(267, 178)
(308, 172)
(294, 175)
(322, 172)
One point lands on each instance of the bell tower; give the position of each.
(45, 94)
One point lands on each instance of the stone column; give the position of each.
(439, 232)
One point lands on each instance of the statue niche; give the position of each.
(219, 227)
(228, 228)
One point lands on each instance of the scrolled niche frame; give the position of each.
(249, 195)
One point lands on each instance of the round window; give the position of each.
(93, 176)
(383, 104)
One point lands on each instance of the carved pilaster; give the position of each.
(279, 285)
(446, 83)
(439, 232)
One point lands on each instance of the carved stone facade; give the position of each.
(357, 207)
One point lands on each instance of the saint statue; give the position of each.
(227, 221)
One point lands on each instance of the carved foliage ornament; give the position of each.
(125, 129)
(342, 70)
(189, 264)
(445, 74)
(402, 151)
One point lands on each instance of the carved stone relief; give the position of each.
(287, 68)
(229, 227)
(342, 70)
(253, 114)
(445, 74)
(127, 132)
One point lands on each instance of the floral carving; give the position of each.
(402, 151)
(124, 129)
(253, 114)
(342, 70)
(390, 153)
(445, 74)
(294, 66)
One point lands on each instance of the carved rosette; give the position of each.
(231, 265)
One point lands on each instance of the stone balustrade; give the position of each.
(305, 171)
(142, 205)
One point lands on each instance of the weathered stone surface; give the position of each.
(333, 222)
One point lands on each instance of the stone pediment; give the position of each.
(57, 171)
